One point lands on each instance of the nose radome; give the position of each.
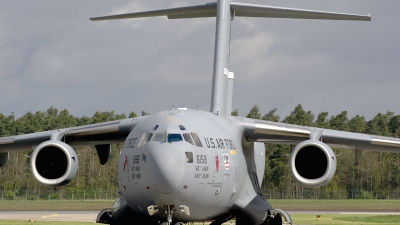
(167, 165)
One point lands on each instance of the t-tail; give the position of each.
(225, 11)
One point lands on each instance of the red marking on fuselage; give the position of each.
(125, 162)
(217, 163)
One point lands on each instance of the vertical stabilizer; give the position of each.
(225, 11)
(229, 91)
(221, 55)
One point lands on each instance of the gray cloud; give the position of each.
(52, 55)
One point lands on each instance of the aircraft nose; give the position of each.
(168, 169)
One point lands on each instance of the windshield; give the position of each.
(159, 137)
(174, 137)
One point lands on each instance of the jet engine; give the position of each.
(54, 163)
(312, 163)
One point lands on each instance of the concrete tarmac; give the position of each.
(90, 216)
(81, 216)
(341, 213)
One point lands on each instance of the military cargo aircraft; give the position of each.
(184, 165)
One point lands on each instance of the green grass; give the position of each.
(345, 219)
(372, 219)
(43, 205)
(337, 205)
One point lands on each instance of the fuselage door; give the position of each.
(223, 190)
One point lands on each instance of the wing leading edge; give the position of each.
(94, 134)
(281, 133)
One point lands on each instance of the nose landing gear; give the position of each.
(169, 210)
(169, 213)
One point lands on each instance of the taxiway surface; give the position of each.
(90, 216)
(82, 216)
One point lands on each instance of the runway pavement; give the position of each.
(90, 216)
(341, 213)
(81, 216)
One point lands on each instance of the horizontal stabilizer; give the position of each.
(196, 11)
(240, 10)
(250, 10)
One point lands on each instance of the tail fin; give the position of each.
(225, 11)
(240, 10)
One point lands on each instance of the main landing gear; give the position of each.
(276, 220)
(168, 210)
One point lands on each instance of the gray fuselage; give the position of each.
(183, 157)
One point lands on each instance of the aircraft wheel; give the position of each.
(277, 220)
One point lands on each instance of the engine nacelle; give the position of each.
(312, 163)
(54, 163)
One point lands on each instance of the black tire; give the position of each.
(277, 220)
(241, 219)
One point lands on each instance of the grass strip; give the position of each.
(372, 219)
(300, 219)
(337, 205)
(42, 205)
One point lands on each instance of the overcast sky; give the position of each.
(51, 54)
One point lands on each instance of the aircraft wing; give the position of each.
(94, 134)
(282, 133)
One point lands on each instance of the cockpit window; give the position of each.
(144, 139)
(189, 157)
(188, 138)
(159, 137)
(182, 127)
(148, 136)
(174, 137)
(191, 138)
(155, 128)
(196, 139)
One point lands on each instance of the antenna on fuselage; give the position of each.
(225, 11)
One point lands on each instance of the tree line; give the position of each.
(377, 173)
(16, 177)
